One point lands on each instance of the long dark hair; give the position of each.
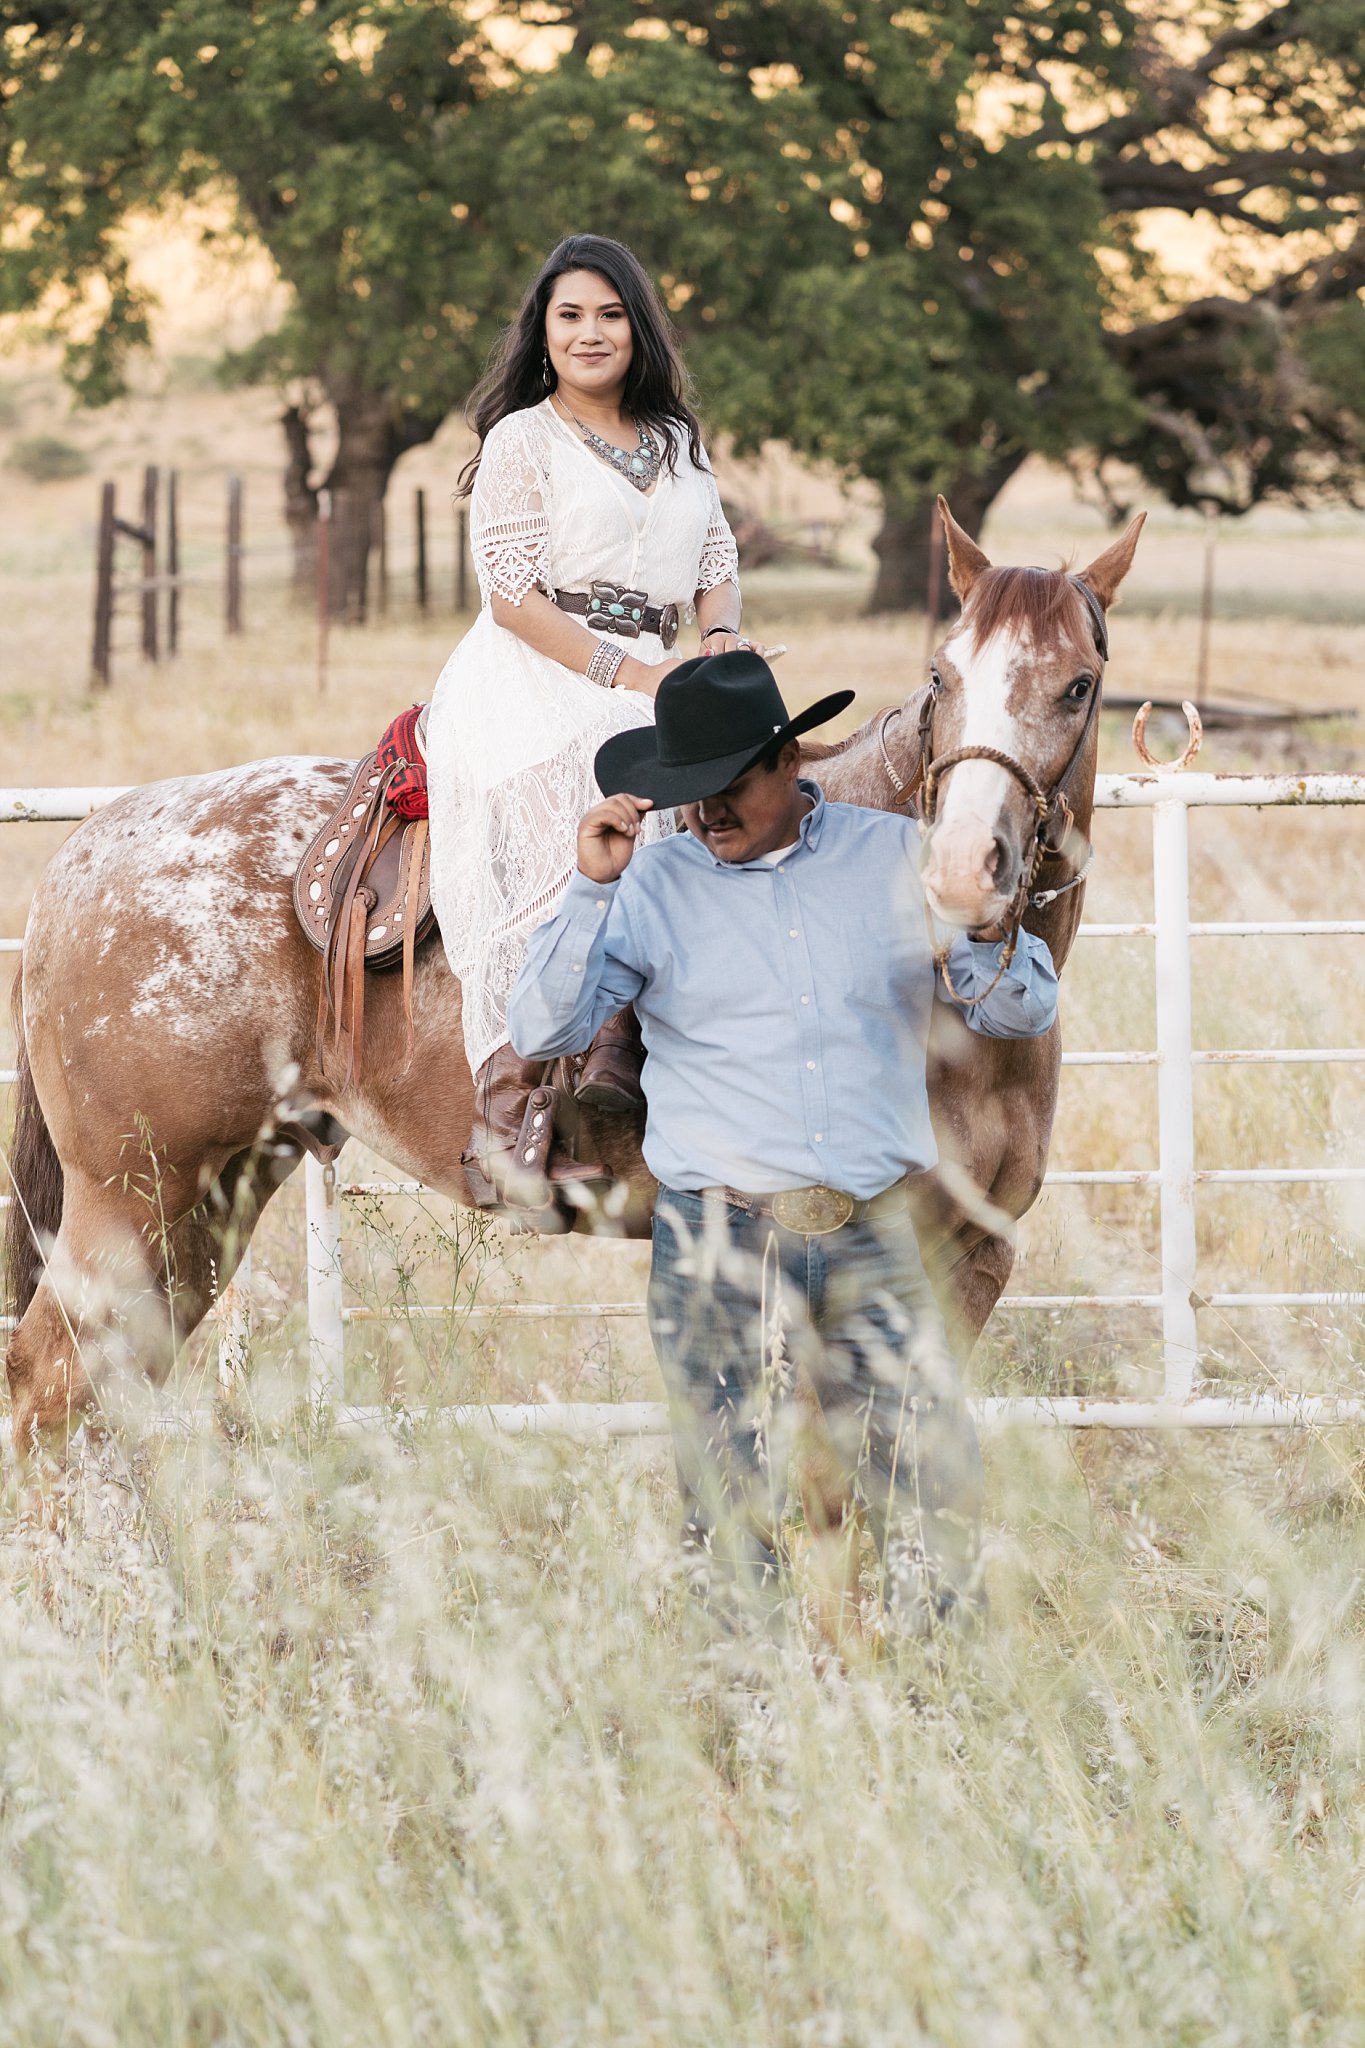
(656, 390)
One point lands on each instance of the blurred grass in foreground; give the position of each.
(321, 1741)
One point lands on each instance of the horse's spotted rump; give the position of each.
(186, 884)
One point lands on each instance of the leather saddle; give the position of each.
(362, 894)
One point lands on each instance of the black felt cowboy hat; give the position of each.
(713, 717)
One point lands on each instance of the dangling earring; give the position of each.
(546, 372)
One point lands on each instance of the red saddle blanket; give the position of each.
(407, 793)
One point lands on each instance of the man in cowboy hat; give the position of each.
(777, 956)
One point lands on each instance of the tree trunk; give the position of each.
(300, 500)
(905, 549)
(372, 432)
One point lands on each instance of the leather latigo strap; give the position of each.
(362, 895)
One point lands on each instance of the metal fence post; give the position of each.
(1175, 1095)
(326, 1328)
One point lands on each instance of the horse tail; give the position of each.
(34, 1214)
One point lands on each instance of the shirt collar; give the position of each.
(809, 834)
(813, 823)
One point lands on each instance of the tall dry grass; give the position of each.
(329, 1741)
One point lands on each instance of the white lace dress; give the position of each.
(511, 734)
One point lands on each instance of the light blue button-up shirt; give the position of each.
(785, 1009)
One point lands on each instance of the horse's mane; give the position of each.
(826, 750)
(1043, 602)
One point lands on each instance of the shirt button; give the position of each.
(810, 1066)
(792, 933)
(578, 967)
(601, 902)
(805, 999)
(819, 1137)
(782, 867)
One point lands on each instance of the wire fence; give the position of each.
(180, 560)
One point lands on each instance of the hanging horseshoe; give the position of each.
(1192, 745)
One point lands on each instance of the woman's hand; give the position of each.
(728, 643)
(607, 837)
(644, 676)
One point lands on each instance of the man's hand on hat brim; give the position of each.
(608, 835)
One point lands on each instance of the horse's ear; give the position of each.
(1108, 570)
(965, 559)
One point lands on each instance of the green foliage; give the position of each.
(338, 134)
(47, 459)
(907, 240)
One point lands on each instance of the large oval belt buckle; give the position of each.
(668, 625)
(612, 609)
(812, 1212)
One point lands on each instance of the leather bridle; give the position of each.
(1054, 819)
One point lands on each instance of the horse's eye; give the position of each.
(935, 678)
(1077, 692)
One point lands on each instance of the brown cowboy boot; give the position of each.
(610, 1080)
(513, 1160)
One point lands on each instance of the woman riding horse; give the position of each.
(595, 523)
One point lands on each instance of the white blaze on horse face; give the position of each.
(960, 878)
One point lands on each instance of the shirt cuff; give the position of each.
(584, 897)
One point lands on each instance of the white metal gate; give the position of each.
(1169, 797)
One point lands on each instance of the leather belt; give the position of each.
(611, 608)
(814, 1212)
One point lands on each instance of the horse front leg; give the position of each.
(208, 1244)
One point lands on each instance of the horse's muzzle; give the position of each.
(971, 875)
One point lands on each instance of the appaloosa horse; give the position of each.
(168, 1002)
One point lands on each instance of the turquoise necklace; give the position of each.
(639, 466)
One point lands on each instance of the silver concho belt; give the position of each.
(611, 608)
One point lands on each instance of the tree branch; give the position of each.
(1176, 92)
(1131, 183)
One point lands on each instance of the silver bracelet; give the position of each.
(607, 657)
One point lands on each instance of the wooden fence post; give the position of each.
(931, 594)
(379, 542)
(419, 498)
(172, 562)
(149, 590)
(104, 591)
(461, 560)
(324, 584)
(234, 555)
(1206, 596)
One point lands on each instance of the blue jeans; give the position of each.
(738, 1307)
